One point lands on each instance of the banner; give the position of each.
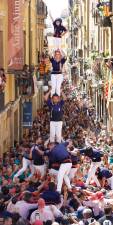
(27, 114)
(15, 35)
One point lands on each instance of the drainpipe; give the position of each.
(29, 19)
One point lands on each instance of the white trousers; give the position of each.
(91, 173)
(25, 164)
(41, 169)
(63, 174)
(72, 173)
(57, 43)
(56, 82)
(56, 131)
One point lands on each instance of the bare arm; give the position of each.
(64, 33)
(30, 155)
(46, 96)
(40, 152)
(63, 54)
(74, 152)
(51, 53)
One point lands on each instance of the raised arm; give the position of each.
(51, 54)
(46, 96)
(51, 16)
(63, 54)
(40, 152)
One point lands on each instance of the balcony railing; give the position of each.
(105, 21)
(25, 84)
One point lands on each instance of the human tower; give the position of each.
(56, 101)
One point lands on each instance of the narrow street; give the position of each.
(56, 112)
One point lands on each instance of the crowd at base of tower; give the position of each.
(71, 182)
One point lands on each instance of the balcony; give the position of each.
(109, 63)
(41, 9)
(103, 10)
(45, 43)
(24, 84)
(26, 87)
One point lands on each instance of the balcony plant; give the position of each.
(104, 7)
(87, 64)
(94, 54)
(100, 9)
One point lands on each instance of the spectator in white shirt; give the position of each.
(23, 207)
(11, 205)
(87, 217)
(45, 213)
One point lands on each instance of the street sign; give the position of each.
(27, 114)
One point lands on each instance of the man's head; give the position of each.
(41, 203)
(70, 144)
(108, 210)
(39, 140)
(55, 98)
(27, 196)
(51, 145)
(89, 151)
(34, 124)
(5, 190)
(7, 221)
(87, 213)
(57, 55)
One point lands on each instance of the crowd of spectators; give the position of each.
(34, 200)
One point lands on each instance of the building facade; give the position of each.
(19, 45)
(91, 42)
